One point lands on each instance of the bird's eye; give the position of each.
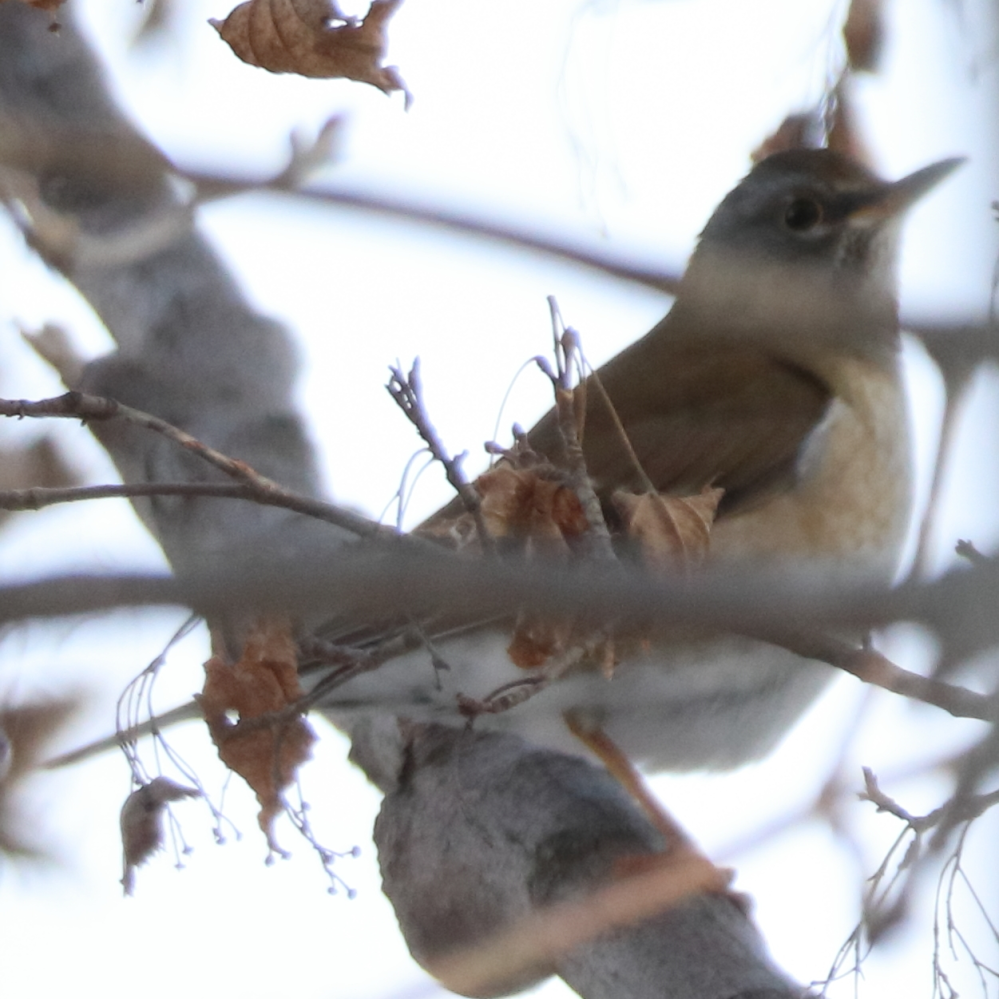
(802, 214)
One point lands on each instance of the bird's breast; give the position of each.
(850, 505)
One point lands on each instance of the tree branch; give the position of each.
(253, 486)
(362, 582)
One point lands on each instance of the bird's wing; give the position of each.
(720, 413)
(723, 413)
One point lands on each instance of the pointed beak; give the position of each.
(890, 200)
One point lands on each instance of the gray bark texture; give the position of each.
(479, 833)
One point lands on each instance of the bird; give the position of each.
(776, 378)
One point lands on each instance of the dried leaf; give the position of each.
(142, 823)
(537, 638)
(524, 499)
(265, 752)
(839, 131)
(670, 530)
(525, 503)
(295, 36)
(864, 35)
(25, 731)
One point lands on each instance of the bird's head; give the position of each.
(806, 245)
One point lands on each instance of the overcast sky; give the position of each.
(617, 124)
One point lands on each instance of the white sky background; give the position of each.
(617, 124)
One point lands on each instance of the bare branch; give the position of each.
(254, 486)
(362, 582)
(872, 667)
(88, 407)
(407, 392)
(967, 810)
(567, 347)
(212, 186)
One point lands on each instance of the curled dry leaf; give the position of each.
(864, 35)
(267, 744)
(142, 823)
(528, 504)
(296, 36)
(525, 504)
(670, 531)
(836, 130)
(25, 731)
(537, 638)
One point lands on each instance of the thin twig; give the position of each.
(566, 349)
(624, 441)
(362, 582)
(351, 662)
(407, 392)
(516, 692)
(872, 667)
(89, 407)
(129, 163)
(966, 810)
(965, 804)
(253, 486)
(214, 186)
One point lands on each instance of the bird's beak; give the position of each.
(890, 200)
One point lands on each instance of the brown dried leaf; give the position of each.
(295, 36)
(537, 638)
(670, 530)
(864, 35)
(142, 823)
(524, 503)
(523, 498)
(25, 731)
(265, 752)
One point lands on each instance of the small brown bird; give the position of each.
(776, 377)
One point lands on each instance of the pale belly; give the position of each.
(711, 704)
